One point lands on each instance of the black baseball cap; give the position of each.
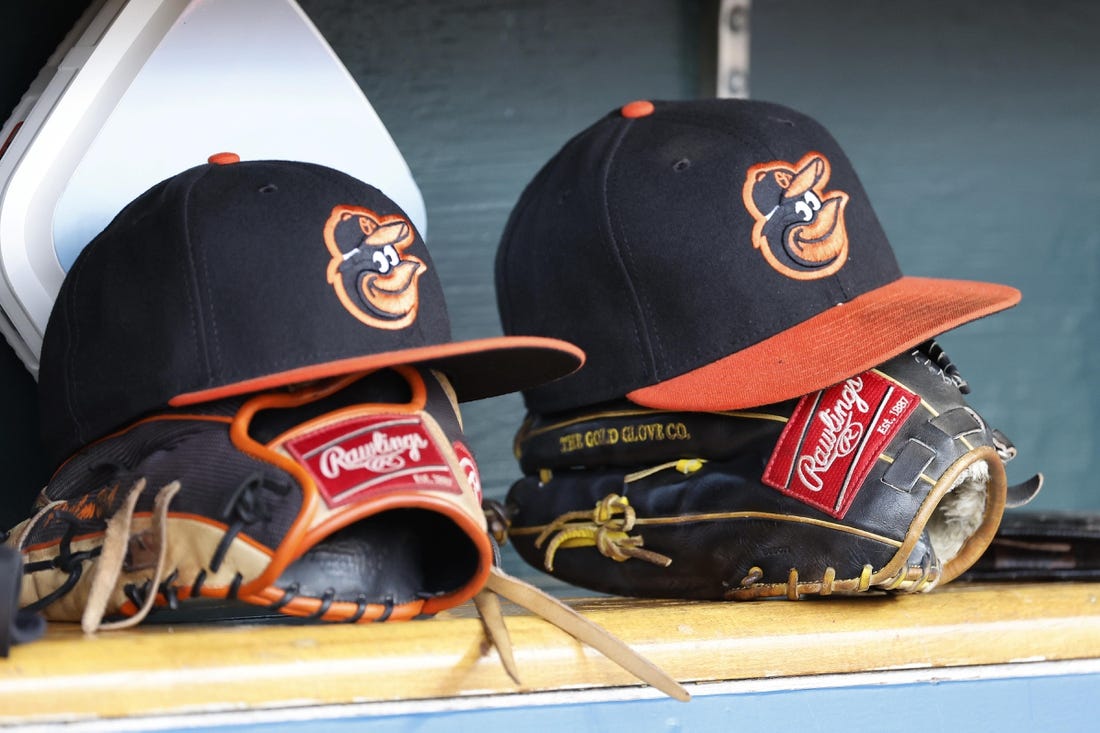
(712, 255)
(233, 277)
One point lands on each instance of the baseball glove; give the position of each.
(351, 499)
(888, 481)
(344, 500)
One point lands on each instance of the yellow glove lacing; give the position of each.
(608, 525)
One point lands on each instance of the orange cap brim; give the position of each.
(845, 340)
(478, 368)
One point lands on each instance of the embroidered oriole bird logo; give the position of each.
(799, 226)
(374, 277)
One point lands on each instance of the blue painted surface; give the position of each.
(1023, 705)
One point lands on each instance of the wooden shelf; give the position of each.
(161, 669)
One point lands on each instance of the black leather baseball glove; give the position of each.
(888, 481)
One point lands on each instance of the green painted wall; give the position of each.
(974, 127)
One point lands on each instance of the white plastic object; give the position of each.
(139, 91)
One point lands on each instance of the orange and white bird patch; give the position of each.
(373, 275)
(799, 226)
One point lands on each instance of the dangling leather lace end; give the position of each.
(109, 566)
(488, 607)
(565, 618)
(116, 541)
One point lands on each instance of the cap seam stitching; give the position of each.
(641, 337)
(213, 351)
(193, 299)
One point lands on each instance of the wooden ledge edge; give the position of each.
(173, 669)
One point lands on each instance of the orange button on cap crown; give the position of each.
(639, 108)
(224, 158)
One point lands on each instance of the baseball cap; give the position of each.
(712, 255)
(233, 277)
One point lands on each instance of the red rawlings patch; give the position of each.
(834, 438)
(370, 455)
